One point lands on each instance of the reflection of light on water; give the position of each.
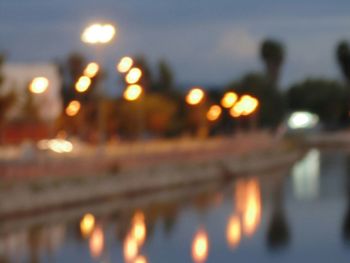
(138, 229)
(130, 248)
(233, 231)
(252, 212)
(87, 224)
(305, 175)
(96, 242)
(200, 247)
(140, 259)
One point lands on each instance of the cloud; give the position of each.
(238, 43)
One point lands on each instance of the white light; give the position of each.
(302, 120)
(56, 145)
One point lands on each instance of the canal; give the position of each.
(299, 214)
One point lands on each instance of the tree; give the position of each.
(326, 98)
(272, 53)
(165, 82)
(343, 58)
(7, 99)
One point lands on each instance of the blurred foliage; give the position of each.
(343, 58)
(327, 98)
(29, 110)
(7, 99)
(272, 53)
(152, 114)
(272, 104)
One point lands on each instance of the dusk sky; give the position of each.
(205, 41)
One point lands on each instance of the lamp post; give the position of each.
(99, 35)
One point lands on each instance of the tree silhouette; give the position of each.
(272, 53)
(343, 58)
(7, 99)
(278, 235)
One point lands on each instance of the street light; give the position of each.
(39, 85)
(132, 92)
(99, 34)
(91, 70)
(73, 108)
(125, 64)
(83, 84)
(133, 76)
(214, 113)
(195, 96)
(229, 99)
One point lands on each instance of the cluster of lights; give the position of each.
(244, 107)
(238, 107)
(132, 76)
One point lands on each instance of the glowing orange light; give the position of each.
(252, 213)
(214, 113)
(83, 84)
(132, 92)
(229, 99)
(245, 106)
(91, 70)
(125, 64)
(87, 224)
(73, 108)
(39, 85)
(140, 259)
(200, 247)
(96, 242)
(130, 248)
(133, 76)
(195, 96)
(233, 231)
(138, 228)
(240, 196)
(249, 104)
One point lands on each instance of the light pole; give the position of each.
(100, 35)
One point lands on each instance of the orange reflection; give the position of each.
(138, 228)
(233, 231)
(96, 242)
(140, 259)
(87, 225)
(252, 212)
(130, 248)
(200, 246)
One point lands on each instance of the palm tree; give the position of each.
(272, 53)
(343, 58)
